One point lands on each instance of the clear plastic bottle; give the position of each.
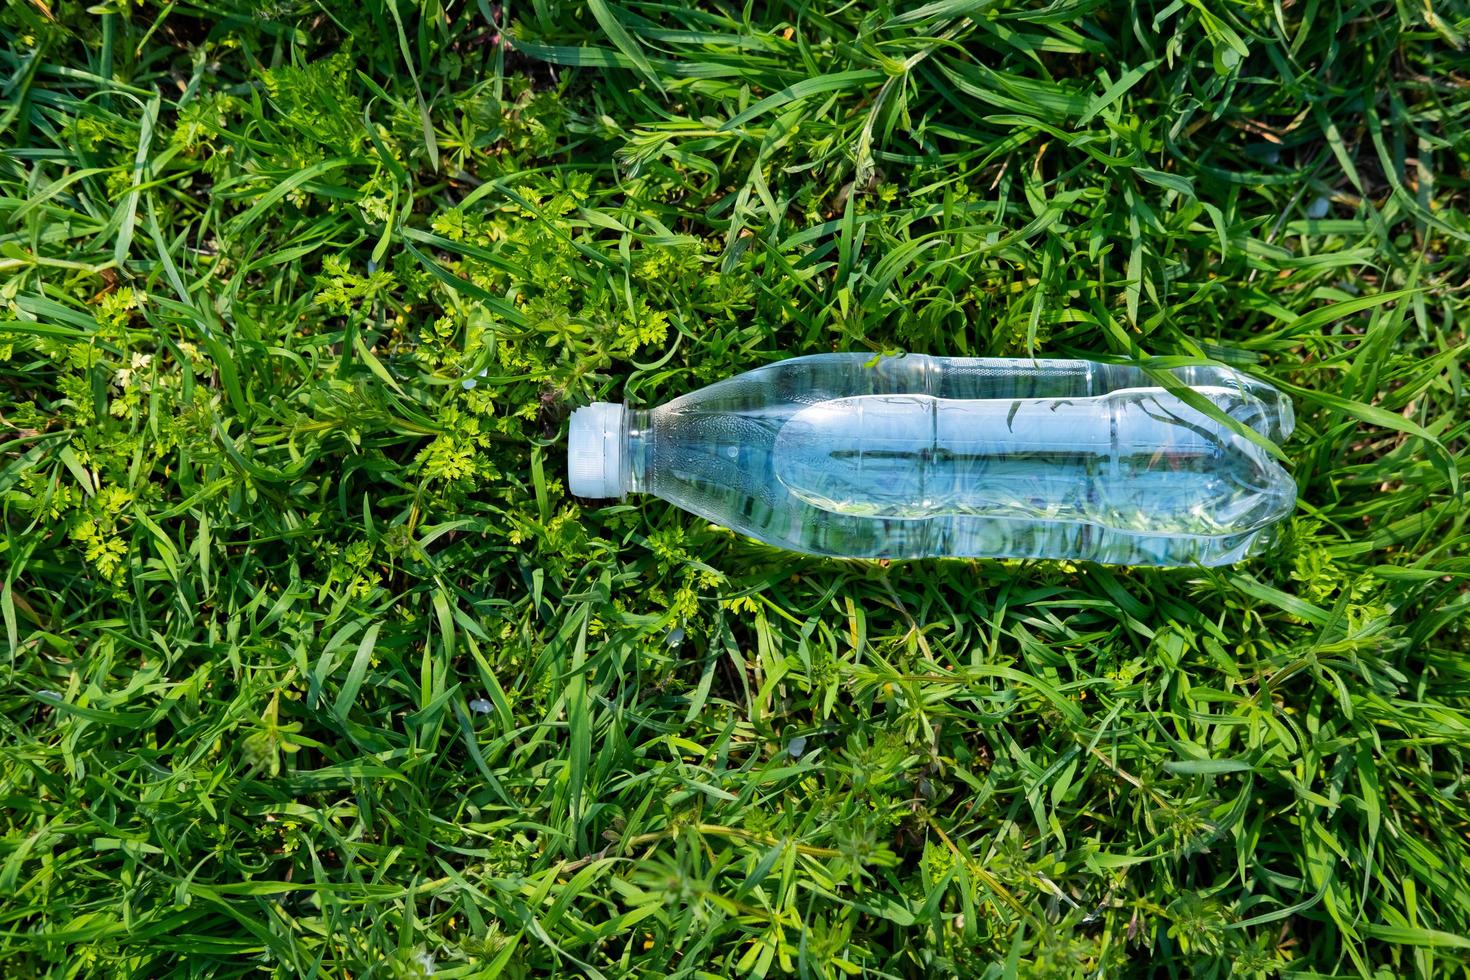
(916, 456)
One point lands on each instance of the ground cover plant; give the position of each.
(312, 667)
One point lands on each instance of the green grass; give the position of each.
(312, 667)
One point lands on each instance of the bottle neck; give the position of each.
(637, 451)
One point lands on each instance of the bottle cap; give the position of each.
(595, 450)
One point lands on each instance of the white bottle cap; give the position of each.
(595, 450)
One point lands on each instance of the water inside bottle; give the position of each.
(1136, 459)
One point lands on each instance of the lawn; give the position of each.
(313, 667)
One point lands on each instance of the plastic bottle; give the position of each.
(914, 456)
